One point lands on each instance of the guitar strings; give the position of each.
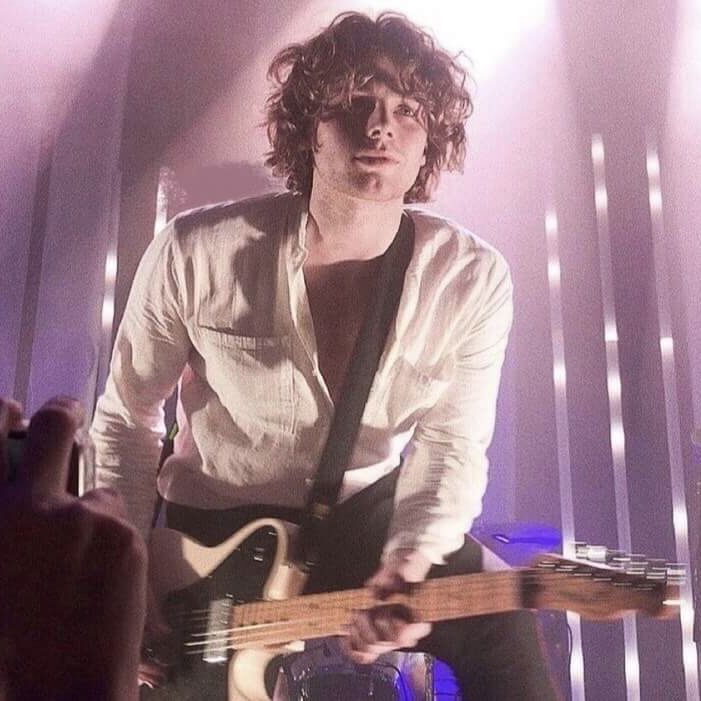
(284, 631)
(261, 633)
(248, 634)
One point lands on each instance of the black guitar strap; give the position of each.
(356, 387)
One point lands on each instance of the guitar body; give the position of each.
(195, 585)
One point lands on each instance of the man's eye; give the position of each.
(361, 105)
(407, 110)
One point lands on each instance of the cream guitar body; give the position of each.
(198, 585)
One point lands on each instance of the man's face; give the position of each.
(373, 150)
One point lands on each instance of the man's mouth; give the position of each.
(374, 159)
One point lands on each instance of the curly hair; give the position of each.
(307, 77)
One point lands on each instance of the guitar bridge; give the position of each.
(216, 648)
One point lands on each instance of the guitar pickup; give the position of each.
(216, 648)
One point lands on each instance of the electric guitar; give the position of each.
(236, 607)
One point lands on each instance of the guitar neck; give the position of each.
(320, 615)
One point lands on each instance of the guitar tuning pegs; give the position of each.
(676, 573)
(597, 553)
(656, 570)
(618, 559)
(593, 553)
(636, 565)
(581, 549)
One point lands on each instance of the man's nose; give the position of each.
(378, 125)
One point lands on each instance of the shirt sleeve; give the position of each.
(444, 474)
(150, 352)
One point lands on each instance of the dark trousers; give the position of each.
(495, 658)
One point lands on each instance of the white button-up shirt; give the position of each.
(219, 305)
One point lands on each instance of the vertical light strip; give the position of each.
(563, 440)
(110, 280)
(669, 381)
(107, 315)
(161, 201)
(613, 380)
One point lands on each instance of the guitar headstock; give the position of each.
(605, 585)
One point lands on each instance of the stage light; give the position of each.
(689, 654)
(631, 660)
(680, 519)
(610, 332)
(554, 271)
(614, 385)
(551, 224)
(613, 378)
(562, 436)
(655, 199)
(161, 202)
(653, 165)
(618, 437)
(559, 375)
(667, 345)
(576, 657)
(597, 150)
(110, 268)
(601, 198)
(107, 312)
(484, 31)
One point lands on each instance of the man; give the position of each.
(254, 309)
(73, 573)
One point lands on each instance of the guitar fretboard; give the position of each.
(319, 615)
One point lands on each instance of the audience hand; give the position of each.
(72, 573)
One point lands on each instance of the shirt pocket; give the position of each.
(409, 393)
(252, 376)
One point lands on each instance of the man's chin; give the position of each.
(373, 189)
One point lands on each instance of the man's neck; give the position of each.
(341, 228)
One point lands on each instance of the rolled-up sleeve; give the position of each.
(444, 475)
(150, 352)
